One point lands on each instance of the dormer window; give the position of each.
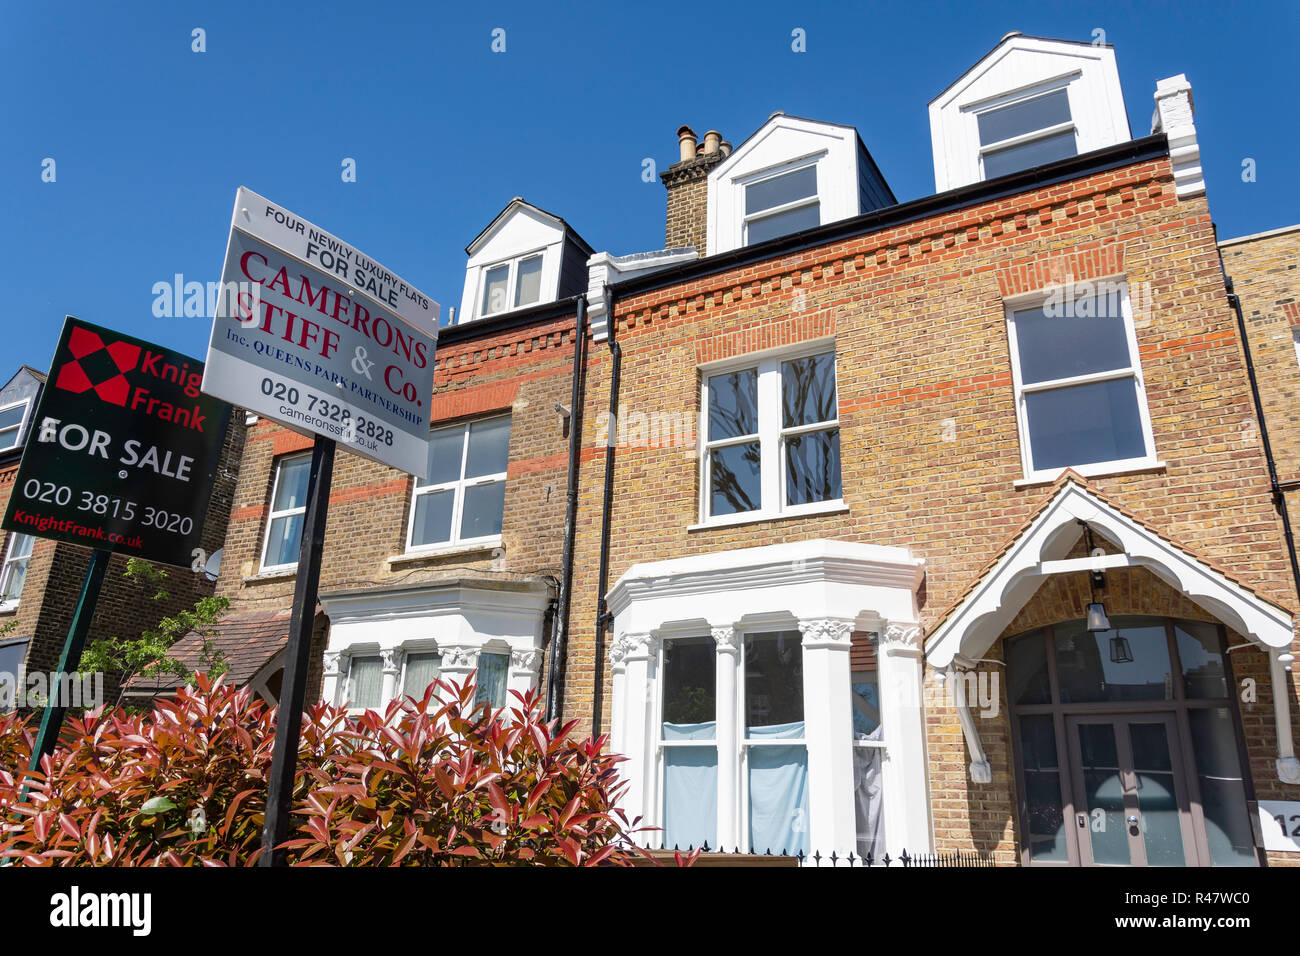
(518, 282)
(1029, 132)
(781, 204)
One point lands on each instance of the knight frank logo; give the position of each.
(98, 367)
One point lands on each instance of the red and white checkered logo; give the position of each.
(98, 367)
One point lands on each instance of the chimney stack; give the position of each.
(687, 182)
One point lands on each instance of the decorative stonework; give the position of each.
(529, 660)
(333, 661)
(392, 660)
(901, 637)
(724, 636)
(459, 657)
(638, 646)
(826, 632)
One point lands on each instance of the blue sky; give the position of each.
(150, 139)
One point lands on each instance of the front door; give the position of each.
(1131, 793)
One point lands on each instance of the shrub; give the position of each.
(430, 782)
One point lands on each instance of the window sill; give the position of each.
(1091, 471)
(274, 574)
(443, 551)
(8, 607)
(731, 521)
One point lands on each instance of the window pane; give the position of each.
(808, 390)
(733, 404)
(1027, 670)
(690, 797)
(783, 223)
(1093, 339)
(432, 523)
(1200, 651)
(11, 662)
(291, 489)
(282, 544)
(366, 681)
(1042, 789)
(12, 417)
(864, 695)
(20, 546)
(495, 294)
(869, 801)
(690, 708)
(489, 447)
(15, 573)
(1091, 666)
(778, 798)
(446, 446)
(1223, 791)
(1103, 794)
(1083, 424)
(491, 686)
(529, 285)
(812, 467)
(779, 190)
(1024, 117)
(421, 670)
(1037, 152)
(1156, 795)
(484, 505)
(735, 483)
(774, 684)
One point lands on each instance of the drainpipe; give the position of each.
(603, 617)
(555, 669)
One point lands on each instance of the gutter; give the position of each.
(560, 620)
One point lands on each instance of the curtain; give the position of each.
(367, 682)
(778, 790)
(492, 672)
(690, 787)
(422, 669)
(868, 797)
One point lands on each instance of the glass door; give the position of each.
(1131, 795)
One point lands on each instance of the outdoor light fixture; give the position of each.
(1097, 620)
(1120, 652)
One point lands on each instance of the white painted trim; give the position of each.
(1267, 234)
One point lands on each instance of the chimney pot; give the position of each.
(686, 140)
(711, 140)
(725, 147)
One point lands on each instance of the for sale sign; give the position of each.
(312, 333)
(123, 449)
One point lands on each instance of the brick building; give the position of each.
(941, 525)
(41, 578)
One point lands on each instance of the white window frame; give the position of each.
(17, 429)
(272, 514)
(662, 746)
(459, 486)
(742, 183)
(512, 282)
(1021, 390)
(771, 436)
(9, 561)
(1015, 99)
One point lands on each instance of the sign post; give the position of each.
(122, 457)
(316, 335)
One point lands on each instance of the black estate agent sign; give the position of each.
(122, 451)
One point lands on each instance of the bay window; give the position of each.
(288, 508)
(462, 500)
(490, 682)
(772, 440)
(688, 742)
(1080, 397)
(365, 682)
(868, 746)
(419, 670)
(773, 752)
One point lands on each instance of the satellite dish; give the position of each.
(213, 565)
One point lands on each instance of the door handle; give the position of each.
(1133, 825)
(1083, 820)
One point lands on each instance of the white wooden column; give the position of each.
(618, 703)
(907, 803)
(728, 652)
(828, 730)
(391, 658)
(641, 653)
(332, 678)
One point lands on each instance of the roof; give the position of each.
(569, 231)
(1014, 34)
(247, 641)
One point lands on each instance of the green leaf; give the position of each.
(156, 805)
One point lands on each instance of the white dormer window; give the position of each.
(777, 205)
(511, 285)
(1028, 132)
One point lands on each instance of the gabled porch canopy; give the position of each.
(989, 604)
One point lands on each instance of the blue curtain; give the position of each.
(492, 672)
(690, 787)
(778, 790)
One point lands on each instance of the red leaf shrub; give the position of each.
(433, 782)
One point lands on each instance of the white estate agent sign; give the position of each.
(316, 335)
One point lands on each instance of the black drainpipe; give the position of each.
(603, 617)
(1279, 499)
(555, 668)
